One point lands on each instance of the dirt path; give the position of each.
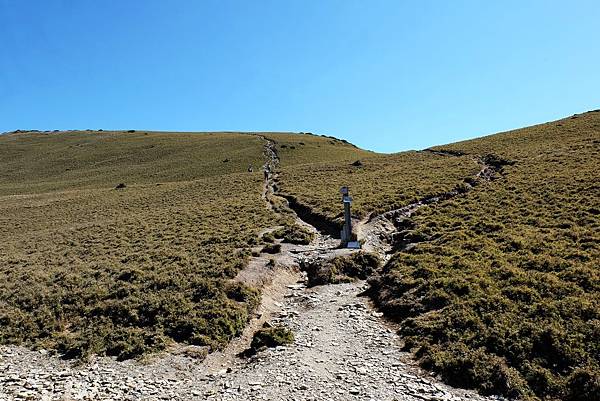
(343, 348)
(342, 351)
(273, 280)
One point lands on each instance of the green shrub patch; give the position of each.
(271, 337)
(294, 234)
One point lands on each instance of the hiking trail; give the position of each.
(343, 350)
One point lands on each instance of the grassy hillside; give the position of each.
(313, 169)
(42, 162)
(500, 293)
(87, 268)
(505, 294)
(297, 150)
(503, 291)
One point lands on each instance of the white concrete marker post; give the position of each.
(346, 233)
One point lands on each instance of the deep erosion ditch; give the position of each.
(318, 221)
(381, 234)
(286, 204)
(325, 242)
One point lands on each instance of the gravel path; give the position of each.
(343, 351)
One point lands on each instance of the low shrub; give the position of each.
(271, 337)
(583, 384)
(268, 237)
(272, 248)
(294, 234)
(474, 368)
(340, 269)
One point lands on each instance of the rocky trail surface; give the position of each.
(343, 348)
(342, 351)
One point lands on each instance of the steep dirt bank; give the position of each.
(320, 222)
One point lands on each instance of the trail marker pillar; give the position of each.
(348, 239)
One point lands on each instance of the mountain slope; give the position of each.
(87, 268)
(494, 243)
(497, 289)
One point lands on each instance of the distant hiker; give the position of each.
(250, 169)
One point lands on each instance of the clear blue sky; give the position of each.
(386, 75)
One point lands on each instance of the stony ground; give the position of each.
(343, 351)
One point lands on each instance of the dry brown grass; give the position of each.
(501, 294)
(87, 268)
(504, 295)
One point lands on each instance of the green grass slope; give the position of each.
(314, 168)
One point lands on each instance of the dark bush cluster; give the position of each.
(360, 265)
(272, 248)
(271, 337)
(294, 234)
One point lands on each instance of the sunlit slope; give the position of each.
(300, 149)
(86, 268)
(38, 162)
(313, 171)
(503, 292)
(500, 293)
